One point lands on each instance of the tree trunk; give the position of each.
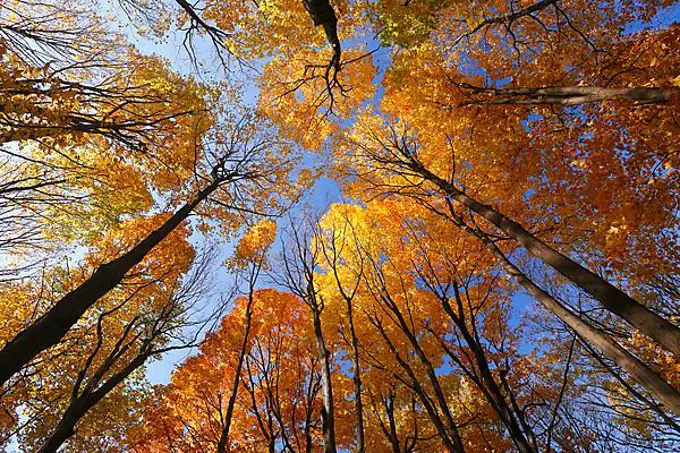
(322, 13)
(627, 361)
(573, 95)
(451, 445)
(327, 410)
(612, 298)
(393, 435)
(431, 373)
(358, 403)
(224, 436)
(49, 329)
(82, 404)
(488, 384)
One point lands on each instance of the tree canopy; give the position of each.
(337, 226)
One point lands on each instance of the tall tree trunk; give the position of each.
(49, 329)
(573, 95)
(431, 373)
(488, 384)
(627, 361)
(308, 436)
(82, 404)
(222, 445)
(451, 440)
(612, 298)
(327, 409)
(322, 13)
(358, 403)
(392, 434)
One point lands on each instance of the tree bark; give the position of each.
(393, 435)
(49, 329)
(573, 95)
(612, 298)
(431, 373)
(322, 13)
(451, 445)
(640, 373)
(358, 403)
(327, 409)
(488, 384)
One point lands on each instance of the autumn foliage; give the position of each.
(331, 225)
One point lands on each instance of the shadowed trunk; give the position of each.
(627, 361)
(358, 403)
(322, 13)
(224, 435)
(612, 298)
(486, 383)
(81, 405)
(450, 438)
(327, 409)
(49, 329)
(431, 373)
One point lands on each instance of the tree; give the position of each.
(300, 261)
(87, 139)
(169, 325)
(501, 275)
(237, 167)
(394, 153)
(251, 251)
(334, 240)
(419, 281)
(274, 406)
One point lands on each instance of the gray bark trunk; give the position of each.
(612, 298)
(327, 409)
(627, 361)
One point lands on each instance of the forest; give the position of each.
(339, 226)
